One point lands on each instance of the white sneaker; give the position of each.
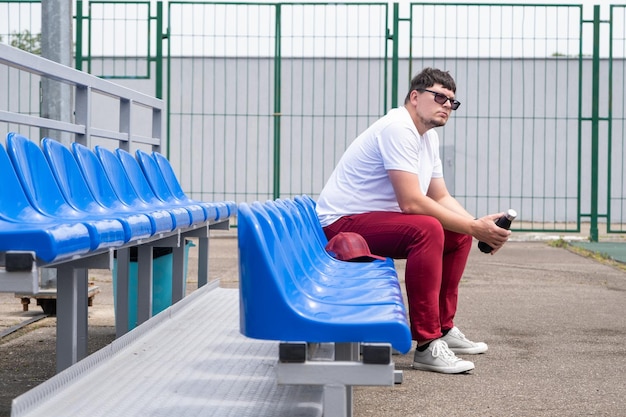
(438, 358)
(459, 344)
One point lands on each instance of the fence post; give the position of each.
(277, 64)
(159, 51)
(593, 232)
(394, 57)
(157, 116)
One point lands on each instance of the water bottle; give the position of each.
(503, 222)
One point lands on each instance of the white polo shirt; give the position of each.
(360, 183)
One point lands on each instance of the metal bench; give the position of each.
(50, 218)
(336, 325)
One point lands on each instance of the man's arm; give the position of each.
(438, 191)
(440, 204)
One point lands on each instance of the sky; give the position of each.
(217, 37)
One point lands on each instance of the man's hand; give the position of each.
(486, 230)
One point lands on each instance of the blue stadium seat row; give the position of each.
(61, 203)
(291, 289)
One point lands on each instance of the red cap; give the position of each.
(350, 246)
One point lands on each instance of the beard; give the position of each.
(438, 122)
(435, 122)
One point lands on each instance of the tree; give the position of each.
(26, 41)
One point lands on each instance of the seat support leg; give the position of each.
(71, 344)
(337, 401)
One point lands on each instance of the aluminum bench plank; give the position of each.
(188, 360)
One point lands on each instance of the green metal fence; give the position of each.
(507, 145)
(270, 94)
(20, 24)
(616, 116)
(263, 98)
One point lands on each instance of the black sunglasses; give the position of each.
(442, 98)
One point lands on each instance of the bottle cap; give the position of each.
(511, 214)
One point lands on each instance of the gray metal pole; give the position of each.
(56, 45)
(56, 97)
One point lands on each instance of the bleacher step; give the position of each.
(188, 360)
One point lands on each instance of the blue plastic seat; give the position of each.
(52, 242)
(307, 207)
(140, 183)
(24, 228)
(154, 177)
(295, 315)
(295, 233)
(328, 286)
(76, 192)
(225, 209)
(128, 194)
(103, 192)
(45, 196)
(310, 228)
(14, 204)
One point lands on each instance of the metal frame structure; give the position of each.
(72, 299)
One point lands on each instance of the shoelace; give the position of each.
(457, 333)
(441, 350)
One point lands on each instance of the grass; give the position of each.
(602, 258)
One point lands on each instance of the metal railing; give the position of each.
(139, 116)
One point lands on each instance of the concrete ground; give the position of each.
(555, 323)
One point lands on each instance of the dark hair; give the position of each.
(429, 77)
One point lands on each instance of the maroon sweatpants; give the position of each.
(436, 259)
